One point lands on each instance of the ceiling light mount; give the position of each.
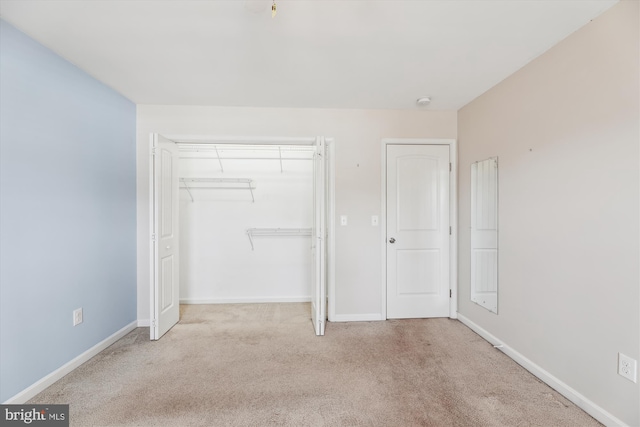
(423, 101)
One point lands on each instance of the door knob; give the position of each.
(392, 240)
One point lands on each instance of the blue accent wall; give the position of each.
(67, 211)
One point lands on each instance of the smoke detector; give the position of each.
(424, 101)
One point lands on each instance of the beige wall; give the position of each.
(357, 134)
(566, 130)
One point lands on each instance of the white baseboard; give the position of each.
(144, 323)
(366, 317)
(578, 399)
(243, 300)
(54, 376)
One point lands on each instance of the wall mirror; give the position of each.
(484, 233)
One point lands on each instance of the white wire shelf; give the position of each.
(218, 184)
(278, 153)
(279, 232)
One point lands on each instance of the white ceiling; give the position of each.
(334, 54)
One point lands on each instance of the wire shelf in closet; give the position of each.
(279, 232)
(281, 154)
(219, 184)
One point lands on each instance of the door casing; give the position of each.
(453, 217)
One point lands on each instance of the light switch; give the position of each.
(374, 220)
(343, 220)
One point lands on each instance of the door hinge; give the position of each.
(450, 293)
(153, 237)
(153, 151)
(153, 323)
(449, 230)
(450, 167)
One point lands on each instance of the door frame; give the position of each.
(251, 140)
(453, 217)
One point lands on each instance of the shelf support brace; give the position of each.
(253, 199)
(187, 188)
(219, 161)
(250, 238)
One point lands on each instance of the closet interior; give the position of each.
(246, 213)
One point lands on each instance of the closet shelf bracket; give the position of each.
(219, 161)
(187, 188)
(281, 232)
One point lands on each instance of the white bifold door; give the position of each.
(417, 231)
(165, 303)
(319, 238)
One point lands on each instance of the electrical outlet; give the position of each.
(627, 367)
(343, 220)
(77, 316)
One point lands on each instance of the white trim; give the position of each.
(251, 140)
(243, 300)
(152, 243)
(453, 222)
(68, 367)
(453, 217)
(367, 317)
(331, 224)
(578, 399)
(144, 323)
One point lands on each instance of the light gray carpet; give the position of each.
(261, 365)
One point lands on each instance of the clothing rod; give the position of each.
(204, 140)
(279, 231)
(217, 188)
(245, 158)
(245, 147)
(238, 180)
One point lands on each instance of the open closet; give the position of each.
(245, 223)
(238, 221)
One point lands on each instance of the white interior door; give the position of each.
(318, 238)
(165, 305)
(484, 234)
(417, 231)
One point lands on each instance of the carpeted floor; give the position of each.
(261, 365)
